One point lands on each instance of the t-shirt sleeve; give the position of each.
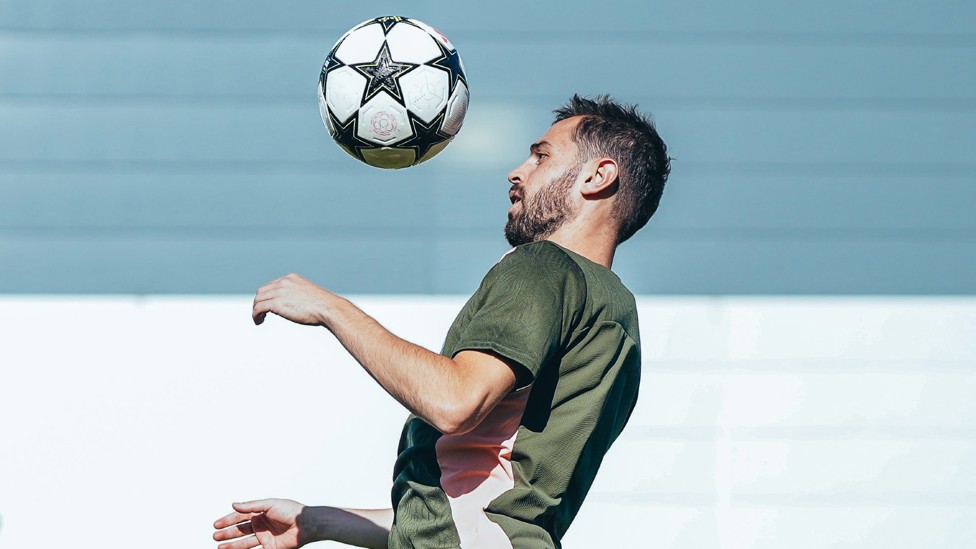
(525, 308)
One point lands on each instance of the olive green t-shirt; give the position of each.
(519, 478)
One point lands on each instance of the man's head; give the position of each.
(609, 150)
(609, 129)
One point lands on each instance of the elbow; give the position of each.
(455, 418)
(451, 429)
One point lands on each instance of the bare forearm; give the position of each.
(430, 385)
(452, 394)
(358, 527)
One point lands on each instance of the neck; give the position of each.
(597, 246)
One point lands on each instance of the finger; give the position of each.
(259, 312)
(267, 291)
(293, 277)
(238, 530)
(231, 518)
(263, 294)
(243, 543)
(261, 308)
(274, 282)
(270, 286)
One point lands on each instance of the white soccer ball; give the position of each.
(392, 92)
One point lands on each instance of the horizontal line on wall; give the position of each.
(779, 233)
(800, 104)
(656, 499)
(135, 166)
(639, 36)
(891, 169)
(833, 498)
(417, 231)
(802, 433)
(808, 367)
(686, 169)
(241, 233)
(857, 499)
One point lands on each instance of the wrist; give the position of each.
(331, 310)
(326, 309)
(312, 524)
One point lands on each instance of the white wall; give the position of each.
(763, 422)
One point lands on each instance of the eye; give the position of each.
(539, 157)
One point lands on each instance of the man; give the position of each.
(539, 372)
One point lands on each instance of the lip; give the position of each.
(515, 200)
(514, 196)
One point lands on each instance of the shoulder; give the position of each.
(538, 272)
(543, 259)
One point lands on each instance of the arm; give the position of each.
(287, 524)
(452, 394)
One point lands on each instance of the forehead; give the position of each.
(561, 134)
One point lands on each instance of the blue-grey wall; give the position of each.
(175, 147)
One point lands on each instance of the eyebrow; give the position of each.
(534, 148)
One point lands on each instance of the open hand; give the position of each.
(269, 523)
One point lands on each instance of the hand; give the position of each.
(291, 297)
(273, 523)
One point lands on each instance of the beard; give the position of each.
(543, 213)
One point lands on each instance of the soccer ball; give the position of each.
(392, 92)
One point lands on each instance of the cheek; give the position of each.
(534, 180)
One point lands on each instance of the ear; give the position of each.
(601, 178)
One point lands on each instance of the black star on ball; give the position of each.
(424, 136)
(451, 62)
(331, 63)
(383, 74)
(345, 136)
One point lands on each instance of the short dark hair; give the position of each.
(618, 131)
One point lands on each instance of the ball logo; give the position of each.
(441, 36)
(429, 93)
(384, 124)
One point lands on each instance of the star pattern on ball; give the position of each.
(345, 136)
(389, 22)
(382, 74)
(424, 136)
(451, 62)
(331, 63)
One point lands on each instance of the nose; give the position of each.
(516, 176)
